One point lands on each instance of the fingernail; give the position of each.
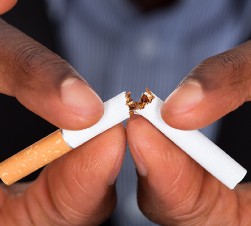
(184, 98)
(115, 170)
(80, 98)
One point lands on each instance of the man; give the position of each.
(173, 189)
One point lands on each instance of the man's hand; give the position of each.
(45, 83)
(76, 189)
(173, 189)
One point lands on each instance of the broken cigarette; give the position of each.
(194, 143)
(197, 146)
(60, 142)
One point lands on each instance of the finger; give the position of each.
(173, 189)
(214, 88)
(77, 189)
(6, 5)
(45, 83)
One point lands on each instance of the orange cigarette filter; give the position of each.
(33, 157)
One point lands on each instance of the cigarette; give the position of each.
(116, 110)
(60, 142)
(197, 146)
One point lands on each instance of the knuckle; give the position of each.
(235, 63)
(235, 60)
(37, 63)
(228, 68)
(29, 57)
(26, 56)
(27, 65)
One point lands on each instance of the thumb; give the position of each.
(214, 88)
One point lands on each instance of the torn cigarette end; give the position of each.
(145, 99)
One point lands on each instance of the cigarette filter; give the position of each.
(60, 142)
(197, 146)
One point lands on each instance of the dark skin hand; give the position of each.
(173, 189)
(77, 189)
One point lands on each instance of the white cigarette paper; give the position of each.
(115, 111)
(197, 146)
